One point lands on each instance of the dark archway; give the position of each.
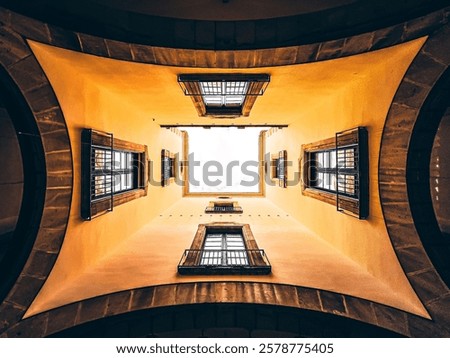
(436, 244)
(47, 171)
(17, 243)
(226, 320)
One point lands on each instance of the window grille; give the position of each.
(223, 95)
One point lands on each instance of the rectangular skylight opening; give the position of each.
(223, 160)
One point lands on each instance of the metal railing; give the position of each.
(208, 261)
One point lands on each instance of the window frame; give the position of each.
(191, 85)
(219, 246)
(329, 170)
(168, 166)
(277, 168)
(129, 169)
(190, 262)
(356, 205)
(92, 206)
(235, 208)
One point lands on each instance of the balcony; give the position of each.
(224, 262)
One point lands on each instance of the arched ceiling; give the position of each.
(224, 24)
(224, 10)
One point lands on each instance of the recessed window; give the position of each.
(224, 249)
(227, 207)
(113, 172)
(223, 95)
(167, 167)
(279, 168)
(324, 174)
(336, 171)
(221, 248)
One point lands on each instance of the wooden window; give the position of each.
(336, 171)
(219, 207)
(167, 167)
(279, 168)
(224, 248)
(113, 172)
(223, 95)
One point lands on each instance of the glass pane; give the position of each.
(326, 159)
(236, 254)
(117, 180)
(130, 163)
(129, 181)
(116, 160)
(333, 159)
(320, 180)
(224, 249)
(320, 160)
(123, 160)
(333, 182)
(220, 93)
(236, 88)
(234, 100)
(211, 88)
(213, 100)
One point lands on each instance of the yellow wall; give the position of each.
(297, 255)
(363, 101)
(308, 242)
(86, 104)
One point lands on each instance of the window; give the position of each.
(336, 171)
(279, 168)
(167, 167)
(323, 173)
(113, 172)
(228, 207)
(224, 248)
(223, 95)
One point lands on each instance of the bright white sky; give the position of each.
(228, 159)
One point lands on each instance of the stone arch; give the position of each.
(397, 148)
(147, 298)
(52, 138)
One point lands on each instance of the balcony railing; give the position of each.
(210, 262)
